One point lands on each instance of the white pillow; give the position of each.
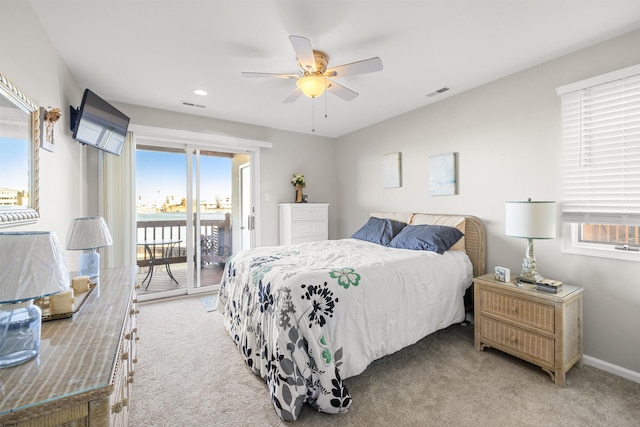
(448, 220)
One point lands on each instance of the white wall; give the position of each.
(507, 135)
(29, 60)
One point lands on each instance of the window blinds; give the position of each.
(601, 150)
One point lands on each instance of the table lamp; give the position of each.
(530, 220)
(32, 265)
(89, 234)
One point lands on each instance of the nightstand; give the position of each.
(542, 328)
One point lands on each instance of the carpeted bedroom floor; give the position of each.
(189, 373)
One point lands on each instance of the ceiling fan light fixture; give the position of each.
(312, 85)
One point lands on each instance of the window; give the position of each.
(601, 165)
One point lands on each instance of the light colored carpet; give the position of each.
(190, 373)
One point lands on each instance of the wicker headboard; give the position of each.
(474, 237)
(476, 244)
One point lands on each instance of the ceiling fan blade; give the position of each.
(294, 95)
(304, 52)
(270, 75)
(370, 65)
(341, 91)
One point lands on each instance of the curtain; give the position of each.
(118, 205)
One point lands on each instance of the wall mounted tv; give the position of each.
(99, 124)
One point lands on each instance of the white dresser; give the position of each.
(303, 222)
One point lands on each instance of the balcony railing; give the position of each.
(215, 240)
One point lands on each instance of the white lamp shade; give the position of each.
(88, 233)
(531, 220)
(32, 265)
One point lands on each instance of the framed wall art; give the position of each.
(391, 171)
(443, 175)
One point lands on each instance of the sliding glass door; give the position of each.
(213, 209)
(184, 214)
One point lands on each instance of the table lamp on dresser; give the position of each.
(32, 265)
(89, 234)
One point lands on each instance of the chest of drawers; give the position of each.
(84, 373)
(542, 328)
(303, 222)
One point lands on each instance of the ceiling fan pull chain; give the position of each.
(313, 115)
(325, 105)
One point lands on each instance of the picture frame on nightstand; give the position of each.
(502, 274)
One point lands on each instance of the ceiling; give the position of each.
(154, 53)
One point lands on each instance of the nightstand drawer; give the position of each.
(525, 312)
(517, 340)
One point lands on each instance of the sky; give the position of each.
(14, 161)
(161, 174)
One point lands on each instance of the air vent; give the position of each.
(438, 92)
(191, 104)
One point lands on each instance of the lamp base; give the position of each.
(89, 264)
(529, 271)
(19, 333)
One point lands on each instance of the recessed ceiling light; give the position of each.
(200, 92)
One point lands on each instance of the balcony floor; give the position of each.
(210, 276)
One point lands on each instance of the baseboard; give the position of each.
(611, 368)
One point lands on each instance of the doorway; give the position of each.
(184, 214)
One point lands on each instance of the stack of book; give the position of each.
(548, 285)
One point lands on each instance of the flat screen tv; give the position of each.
(99, 124)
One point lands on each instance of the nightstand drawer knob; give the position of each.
(514, 309)
(514, 339)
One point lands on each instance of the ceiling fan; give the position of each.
(315, 77)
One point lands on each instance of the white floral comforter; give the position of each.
(307, 316)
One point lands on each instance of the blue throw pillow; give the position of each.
(379, 230)
(434, 238)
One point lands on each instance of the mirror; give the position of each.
(20, 146)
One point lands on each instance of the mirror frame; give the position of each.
(18, 215)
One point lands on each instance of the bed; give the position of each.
(305, 317)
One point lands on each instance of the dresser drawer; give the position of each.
(308, 228)
(307, 239)
(525, 312)
(539, 348)
(309, 213)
